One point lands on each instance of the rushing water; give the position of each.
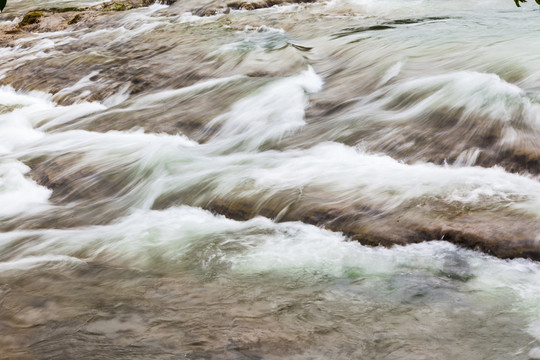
(176, 186)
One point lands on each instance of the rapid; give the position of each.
(344, 179)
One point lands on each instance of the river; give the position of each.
(345, 179)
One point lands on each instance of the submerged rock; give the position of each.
(504, 235)
(134, 65)
(95, 69)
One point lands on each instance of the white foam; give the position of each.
(46, 262)
(473, 102)
(135, 241)
(16, 127)
(350, 174)
(176, 238)
(19, 194)
(26, 111)
(534, 353)
(119, 97)
(391, 73)
(31, 110)
(155, 98)
(480, 94)
(83, 82)
(173, 163)
(31, 47)
(133, 24)
(269, 114)
(147, 239)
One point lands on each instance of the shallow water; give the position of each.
(176, 186)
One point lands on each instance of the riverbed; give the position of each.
(345, 179)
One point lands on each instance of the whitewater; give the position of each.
(345, 179)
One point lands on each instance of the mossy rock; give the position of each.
(63, 9)
(31, 18)
(75, 19)
(115, 7)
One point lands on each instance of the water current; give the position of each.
(345, 179)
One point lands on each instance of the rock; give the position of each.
(75, 19)
(259, 4)
(31, 18)
(72, 182)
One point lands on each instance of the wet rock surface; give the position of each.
(133, 65)
(504, 234)
(438, 136)
(157, 317)
(57, 19)
(213, 167)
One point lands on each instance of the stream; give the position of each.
(344, 179)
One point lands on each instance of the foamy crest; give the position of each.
(19, 194)
(269, 114)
